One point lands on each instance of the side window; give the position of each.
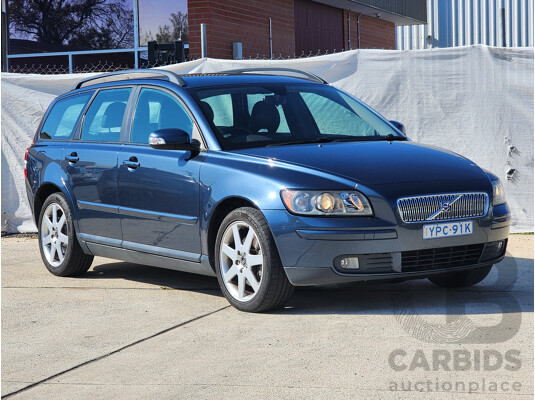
(252, 99)
(220, 107)
(155, 110)
(333, 118)
(61, 121)
(104, 117)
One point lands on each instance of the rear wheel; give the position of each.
(59, 246)
(248, 266)
(461, 278)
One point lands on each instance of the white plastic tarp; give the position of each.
(476, 101)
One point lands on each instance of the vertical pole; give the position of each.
(349, 30)
(504, 44)
(4, 36)
(70, 63)
(203, 41)
(358, 30)
(270, 40)
(136, 34)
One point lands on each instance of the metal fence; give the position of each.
(105, 66)
(53, 69)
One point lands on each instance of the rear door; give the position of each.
(159, 189)
(91, 166)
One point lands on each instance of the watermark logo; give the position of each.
(455, 360)
(458, 360)
(459, 325)
(490, 386)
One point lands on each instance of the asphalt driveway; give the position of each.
(126, 331)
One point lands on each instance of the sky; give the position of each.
(154, 13)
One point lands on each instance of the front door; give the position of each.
(159, 189)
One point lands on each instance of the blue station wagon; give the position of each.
(265, 179)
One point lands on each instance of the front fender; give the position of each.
(255, 180)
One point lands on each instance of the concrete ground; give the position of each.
(126, 331)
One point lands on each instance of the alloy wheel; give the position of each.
(241, 261)
(54, 234)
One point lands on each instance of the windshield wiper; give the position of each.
(335, 139)
(303, 141)
(353, 139)
(390, 137)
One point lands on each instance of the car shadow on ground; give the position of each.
(507, 289)
(164, 278)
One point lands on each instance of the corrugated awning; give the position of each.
(400, 12)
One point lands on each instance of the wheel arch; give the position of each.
(41, 195)
(223, 208)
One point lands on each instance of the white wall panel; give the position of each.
(465, 22)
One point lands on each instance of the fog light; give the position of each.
(500, 246)
(349, 263)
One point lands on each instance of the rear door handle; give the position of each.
(72, 158)
(131, 163)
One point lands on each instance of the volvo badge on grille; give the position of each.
(444, 207)
(440, 207)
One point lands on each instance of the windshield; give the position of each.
(259, 115)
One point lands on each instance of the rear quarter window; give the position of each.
(61, 121)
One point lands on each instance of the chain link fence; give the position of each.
(108, 66)
(52, 69)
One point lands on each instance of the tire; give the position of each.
(250, 273)
(58, 244)
(461, 278)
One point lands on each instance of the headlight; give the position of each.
(498, 196)
(316, 202)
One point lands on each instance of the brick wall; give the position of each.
(375, 33)
(245, 21)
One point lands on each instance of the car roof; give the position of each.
(201, 80)
(233, 77)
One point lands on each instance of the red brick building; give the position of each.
(297, 26)
(37, 42)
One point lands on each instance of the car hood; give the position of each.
(375, 163)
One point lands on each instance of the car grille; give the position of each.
(443, 207)
(445, 257)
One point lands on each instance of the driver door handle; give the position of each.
(131, 163)
(72, 158)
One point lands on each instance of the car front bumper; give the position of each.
(311, 248)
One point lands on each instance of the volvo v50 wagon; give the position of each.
(265, 179)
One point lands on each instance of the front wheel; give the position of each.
(248, 265)
(59, 246)
(461, 278)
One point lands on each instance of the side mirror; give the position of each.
(172, 139)
(399, 126)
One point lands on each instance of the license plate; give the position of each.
(448, 229)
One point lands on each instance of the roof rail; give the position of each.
(308, 75)
(174, 78)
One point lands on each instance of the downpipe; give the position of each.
(270, 40)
